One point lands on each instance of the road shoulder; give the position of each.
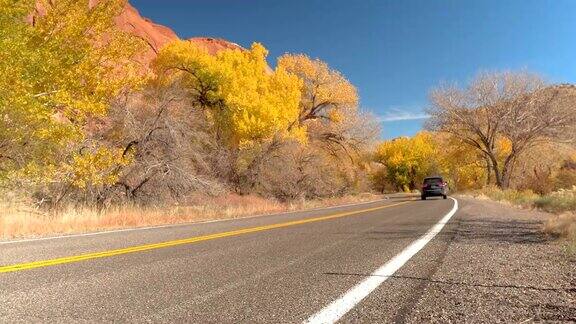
(498, 266)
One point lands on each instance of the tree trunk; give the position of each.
(505, 178)
(488, 171)
(497, 174)
(506, 172)
(412, 182)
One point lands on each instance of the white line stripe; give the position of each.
(338, 308)
(143, 228)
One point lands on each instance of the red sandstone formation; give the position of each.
(155, 35)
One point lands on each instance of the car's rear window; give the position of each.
(432, 180)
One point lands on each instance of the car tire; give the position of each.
(423, 197)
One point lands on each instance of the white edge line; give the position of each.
(182, 224)
(338, 308)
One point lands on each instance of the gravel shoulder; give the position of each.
(498, 267)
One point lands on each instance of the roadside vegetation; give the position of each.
(563, 200)
(562, 203)
(507, 136)
(20, 220)
(91, 139)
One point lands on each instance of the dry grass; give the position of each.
(524, 198)
(561, 202)
(558, 201)
(18, 220)
(563, 226)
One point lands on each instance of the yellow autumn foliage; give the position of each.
(246, 102)
(460, 164)
(326, 92)
(100, 167)
(56, 74)
(503, 148)
(408, 159)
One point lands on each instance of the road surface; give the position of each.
(323, 265)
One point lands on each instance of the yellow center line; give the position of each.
(196, 239)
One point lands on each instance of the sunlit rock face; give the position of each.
(155, 35)
(214, 45)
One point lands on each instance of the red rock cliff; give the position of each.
(155, 35)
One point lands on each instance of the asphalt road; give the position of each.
(277, 269)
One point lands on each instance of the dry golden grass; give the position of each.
(17, 220)
(512, 197)
(563, 226)
(561, 202)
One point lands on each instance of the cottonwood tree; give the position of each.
(329, 107)
(407, 160)
(258, 113)
(247, 103)
(353, 134)
(337, 130)
(58, 72)
(517, 108)
(326, 92)
(463, 165)
(250, 108)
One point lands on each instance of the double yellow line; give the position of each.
(147, 247)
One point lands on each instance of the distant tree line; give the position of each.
(508, 129)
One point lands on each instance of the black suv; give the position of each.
(434, 186)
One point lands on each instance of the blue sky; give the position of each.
(393, 51)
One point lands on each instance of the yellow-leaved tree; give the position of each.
(407, 160)
(326, 93)
(247, 102)
(336, 129)
(59, 68)
(461, 164)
